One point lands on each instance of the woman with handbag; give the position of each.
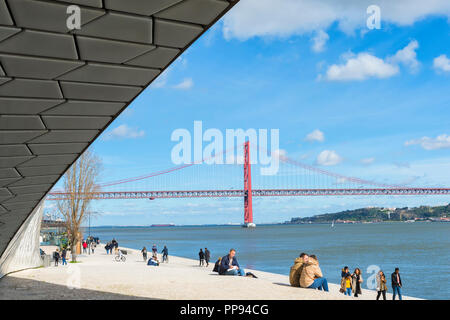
(381, 285)
(356, 282)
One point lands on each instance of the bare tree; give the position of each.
(79, 182)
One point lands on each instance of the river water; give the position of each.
(421, 250)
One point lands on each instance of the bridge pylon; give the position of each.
(248, 206)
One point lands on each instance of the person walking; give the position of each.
(396, 284)
(207, 256)
(381, 285)
(154, 251)
(93, 245)
(63, 256)
(165, 252)
(84, 246)
(144, 253)
(356, 282)
(344, 274)
(348, 285)
(56, 256)
(201, 256)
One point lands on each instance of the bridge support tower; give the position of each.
(248, 207)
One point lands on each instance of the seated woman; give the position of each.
(153, 262)
(311, 276)
(296, 271)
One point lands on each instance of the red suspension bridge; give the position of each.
(304, 175)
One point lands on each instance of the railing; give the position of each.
(256, 193)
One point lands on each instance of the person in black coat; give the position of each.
(56, 256)
(207, 256)
(201, 256)
(396, 284)
(63, 256)
(230, 266)
(165, 253)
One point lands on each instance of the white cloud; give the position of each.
(328, 158)
(365, 65)
(185, 84)
(367, 160)
(361, 67)
(316, 135)
(319, 41)
(440, 142)
(161, 81)
(442, 63)
(124, 132)
(407, 56)
(261, 18)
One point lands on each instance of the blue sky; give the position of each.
(368, 103)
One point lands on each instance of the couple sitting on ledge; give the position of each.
(306, 273)
(228, 265)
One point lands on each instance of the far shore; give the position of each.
(97, 276)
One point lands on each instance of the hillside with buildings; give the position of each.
(377, 214)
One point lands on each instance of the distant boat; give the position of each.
(332, 224)
(249, 225)
(163, 225)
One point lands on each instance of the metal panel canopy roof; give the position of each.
(60, 88)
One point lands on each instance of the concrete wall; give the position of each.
(23, 250)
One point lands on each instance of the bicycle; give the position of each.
(120, 257)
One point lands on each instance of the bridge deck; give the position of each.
(255, 193)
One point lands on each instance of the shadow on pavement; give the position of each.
(13, 288)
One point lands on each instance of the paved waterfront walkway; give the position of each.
(102, 278)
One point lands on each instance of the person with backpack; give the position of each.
(201, 256)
